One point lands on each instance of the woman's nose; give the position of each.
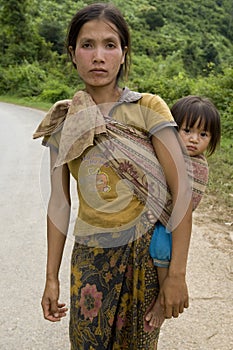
(98, 55)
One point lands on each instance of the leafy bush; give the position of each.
(220, 89)
(54, 91)
(22, 80)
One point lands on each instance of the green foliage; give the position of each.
(152, 17)
(200, 57)
(53, 19)
(25, 79)
(221, 173)
(53, 34)
(195, 29)
(55, 91)
(220, 89)
(19, 37)
(179, 47)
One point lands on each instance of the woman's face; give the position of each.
(98, 54)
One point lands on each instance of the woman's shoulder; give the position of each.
(53, 119)
(150, 100)
(156, 104)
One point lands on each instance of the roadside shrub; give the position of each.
(3, 81)
(54, 91)
(22, 80)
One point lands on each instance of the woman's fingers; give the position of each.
(47, 313)
(173, 298)
(53, 311)
(46, 308)
(54, 308)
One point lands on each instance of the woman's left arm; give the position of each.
(173, 292)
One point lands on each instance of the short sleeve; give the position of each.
(157, 114)
(52, 140)
(50, 127)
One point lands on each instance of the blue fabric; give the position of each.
(161, 246)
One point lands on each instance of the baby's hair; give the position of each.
(190, 109)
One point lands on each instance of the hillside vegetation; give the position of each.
(179, 47)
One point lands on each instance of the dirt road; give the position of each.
(206, 325)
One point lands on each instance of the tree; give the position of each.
(154, 19)
(19, 40)
(53, 33)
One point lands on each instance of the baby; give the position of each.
(199, 127)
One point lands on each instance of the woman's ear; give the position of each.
(123, 54)
(72, 54)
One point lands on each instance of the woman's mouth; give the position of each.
(98, 70)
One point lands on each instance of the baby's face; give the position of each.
(196, 139)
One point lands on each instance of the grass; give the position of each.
(27, 102)
(219, 194)
(221, 174)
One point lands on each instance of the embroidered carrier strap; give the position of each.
(128, 150)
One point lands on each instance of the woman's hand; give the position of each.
(173, 295)
(52, 309)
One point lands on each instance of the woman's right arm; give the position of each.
(58, 216)
(174, 292)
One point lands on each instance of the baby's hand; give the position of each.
(151, 217)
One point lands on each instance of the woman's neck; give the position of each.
(102, 95)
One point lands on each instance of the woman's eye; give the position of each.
(86, 45)
(111, 45)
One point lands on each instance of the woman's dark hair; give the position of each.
(190, 109)
(106, 12)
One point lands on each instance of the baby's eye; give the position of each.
(204, 134)
(186, 130)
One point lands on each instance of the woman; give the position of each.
(102, 137)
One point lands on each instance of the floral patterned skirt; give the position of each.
(111, 289)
